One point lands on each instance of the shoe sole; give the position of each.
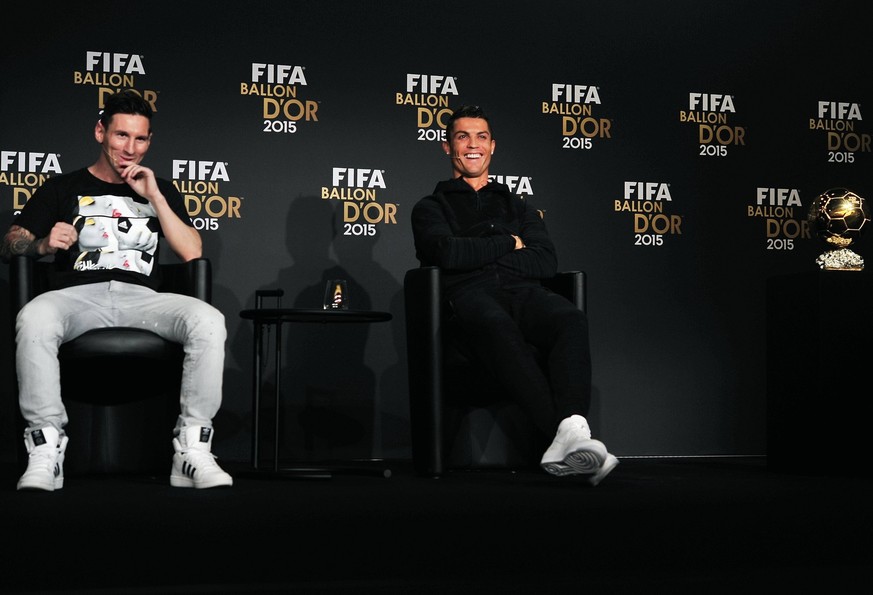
(56, 483)
(41, 487)
(182, 481)
(608, 465)
(577, 463)
(583, 458)
(585, 461)
(559, 469)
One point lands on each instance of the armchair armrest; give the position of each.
(571, 285)
(192, 278)
(20, 282)
(28, 277)
(422, 289)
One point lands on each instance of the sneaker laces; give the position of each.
(201, 459)
(42, 457)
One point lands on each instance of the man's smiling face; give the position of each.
(470, 147)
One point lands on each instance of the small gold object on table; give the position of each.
(336, 295)
(839, 216)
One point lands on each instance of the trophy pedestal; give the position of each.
(819, 338)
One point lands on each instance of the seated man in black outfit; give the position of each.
(493, 249)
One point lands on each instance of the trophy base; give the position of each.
(840, 260)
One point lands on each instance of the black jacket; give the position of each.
(468, 234)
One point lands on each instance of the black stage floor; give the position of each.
(695, 525)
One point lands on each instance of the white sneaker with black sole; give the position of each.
(194, 464)
(574, 452)
(45, 460)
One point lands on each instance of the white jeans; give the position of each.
(55, 317)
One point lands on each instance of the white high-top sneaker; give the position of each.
(194, 464)
(574, 452)
(45, 460)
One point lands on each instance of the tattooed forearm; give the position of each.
(18, 241)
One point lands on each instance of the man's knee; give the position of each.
(34, 318)
(209, 321)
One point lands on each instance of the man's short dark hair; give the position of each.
(126, 101)
(468, 111)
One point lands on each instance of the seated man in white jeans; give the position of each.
(118, 291)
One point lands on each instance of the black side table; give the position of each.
(276, 317)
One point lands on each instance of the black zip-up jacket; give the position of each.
(468, 234)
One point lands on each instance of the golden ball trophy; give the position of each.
(839, 217)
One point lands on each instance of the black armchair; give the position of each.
(458, 419)
(129, 429)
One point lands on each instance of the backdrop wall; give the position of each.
(675, 148)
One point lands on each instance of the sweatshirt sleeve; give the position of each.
(538, 259)
(437, 245)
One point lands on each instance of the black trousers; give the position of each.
(498, 327)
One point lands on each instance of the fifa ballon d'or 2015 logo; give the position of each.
(839, 217)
